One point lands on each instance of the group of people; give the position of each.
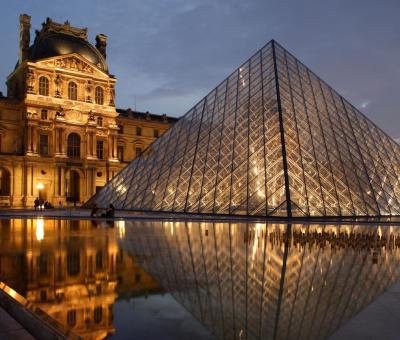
(97, 212)
(40, 204)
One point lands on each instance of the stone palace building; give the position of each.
(61, 136)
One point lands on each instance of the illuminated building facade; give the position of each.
(61, 137)
(272, 139)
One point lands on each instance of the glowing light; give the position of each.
(121, 228)
(121, 188)
(39, 229)
(261, 194)
(39, 186)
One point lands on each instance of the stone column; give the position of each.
(93, 181)
(63, 181)
(94, 143)
(115, 146)
(29, 141)
(56, 141)
(34, 139)
(62, 141)
(110, 146)
(88, 144)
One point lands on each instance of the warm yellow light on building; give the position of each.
(40, 186)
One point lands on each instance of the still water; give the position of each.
(198, 280)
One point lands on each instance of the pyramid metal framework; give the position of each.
(272, 139)
(249, 281)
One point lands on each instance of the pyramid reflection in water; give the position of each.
(272, 139)
(252, 281)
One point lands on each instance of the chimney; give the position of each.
(101, 44)
(24, 36)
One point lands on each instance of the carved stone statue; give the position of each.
(112, 95)
(91, 117)
(30, 82)
(58, 82)
(60, 113)
(88, 89)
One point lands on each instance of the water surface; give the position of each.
(198, 280)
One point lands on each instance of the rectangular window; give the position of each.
(43, 114)
(44, 145)
(138, 152)
(120, 153)
(100, 145)
(156, 133)
(120, 129)
(99, 121)
(71, 317)
(138, 131)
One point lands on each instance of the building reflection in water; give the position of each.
(73, 270)
(260, 281)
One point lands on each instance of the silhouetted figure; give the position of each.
(94, 211)
(36, 203)
(109, 212)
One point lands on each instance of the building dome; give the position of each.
(52, 44)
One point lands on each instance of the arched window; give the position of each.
(72, 91)
(43, 86)
(74, 145)
(99, 95)
(4, 182)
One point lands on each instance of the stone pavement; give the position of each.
(380, 320)
(11, 329)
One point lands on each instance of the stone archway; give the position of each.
(73, 186)
(5, 182)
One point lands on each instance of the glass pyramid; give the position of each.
(272, 139)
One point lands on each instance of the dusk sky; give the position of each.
(170, 53)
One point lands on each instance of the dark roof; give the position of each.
(131, 114)
(55, 39)
(52, 44)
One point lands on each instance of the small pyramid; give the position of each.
(272, 139)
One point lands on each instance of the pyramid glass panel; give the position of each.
(268, 281)
(272, 139)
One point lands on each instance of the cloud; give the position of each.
(365, 104)
(397, 140)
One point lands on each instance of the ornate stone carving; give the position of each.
(112, 95)
(46, 128)
(72, 63)
(31, 114)
(74, 115)
(60, 113)
(88, 90)
(30, 82)
(91, 116)
(65, 28)
(102, 133)
(58, 82)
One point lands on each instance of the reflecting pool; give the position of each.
(198, 280)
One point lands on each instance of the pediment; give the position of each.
(72, 62)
